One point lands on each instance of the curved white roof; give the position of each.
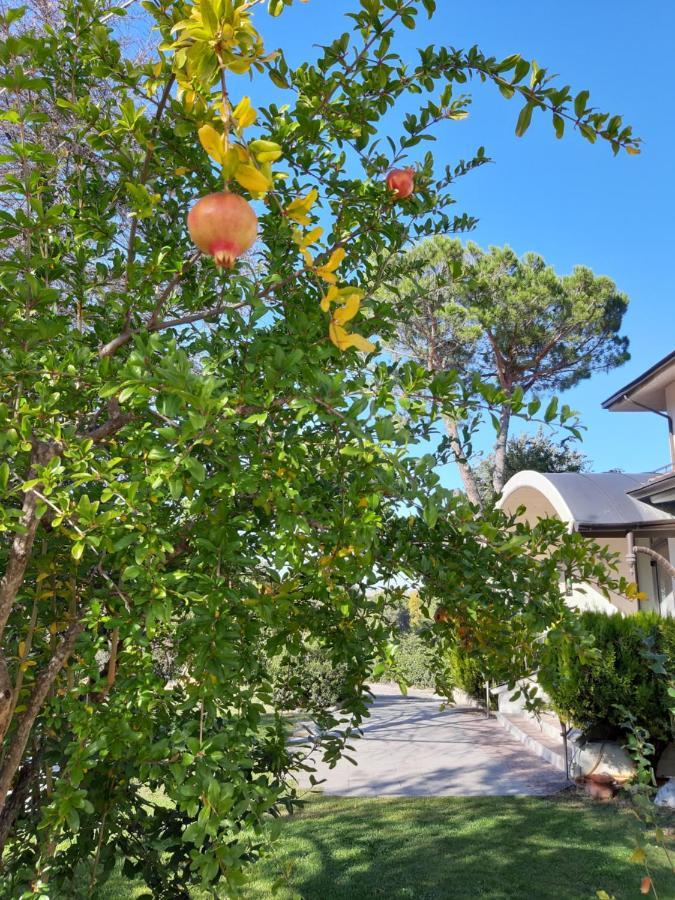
(590, 498)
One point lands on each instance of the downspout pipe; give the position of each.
(631, 559)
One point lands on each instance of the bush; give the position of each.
(465, 673)
(310, 681)
(589, 689)
(412, 663)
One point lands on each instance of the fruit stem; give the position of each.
(226, 108)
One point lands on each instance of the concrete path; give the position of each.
(410, 748)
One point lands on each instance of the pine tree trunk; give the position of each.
(500, 449)
(465, 470)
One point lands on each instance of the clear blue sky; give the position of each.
(567, 200)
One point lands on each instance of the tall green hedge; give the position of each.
(465, 673)
(630, 668)
(412, 662)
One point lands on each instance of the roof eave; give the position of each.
(639, 381)
(612, 529)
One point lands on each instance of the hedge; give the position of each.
(632, 669)
(310, 682)
(412, 662)
(465, 673)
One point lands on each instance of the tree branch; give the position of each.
(43, 683)
(22, 544)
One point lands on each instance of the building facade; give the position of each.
(633, 514)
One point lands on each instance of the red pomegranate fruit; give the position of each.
(441, 615)
(224, 226)
(401, 182)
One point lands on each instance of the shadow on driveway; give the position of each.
(410, 747)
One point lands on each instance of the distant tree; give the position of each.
(510, 320)
(536, 452)
(415, 608)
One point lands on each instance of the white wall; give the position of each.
(582, 596)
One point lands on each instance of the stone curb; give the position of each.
(541, 750)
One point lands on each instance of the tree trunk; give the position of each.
(465, 470)
(13, 806)
(22, 544)
(500, 449)
(43, 683)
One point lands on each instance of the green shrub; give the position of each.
(589, 689)
(465, 673)
(310, 681)
(412, 663)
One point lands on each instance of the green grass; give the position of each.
(451, 848)
(457, 848)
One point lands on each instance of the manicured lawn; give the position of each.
(445, 848)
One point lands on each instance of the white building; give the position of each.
(632, 514)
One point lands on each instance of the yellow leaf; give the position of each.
(328, 298)
(250, 178)
(307, 256)
(633, 151)
(363, 502)
(638, 855)
(212, 142)
(239, 65)
(181, 170)
(305, 240)
(326, 270)
(358, 342)
(298, 209)
(231, 162)
(22, 649)
(342, 315)
(244, 114)
(343, 340)
(265, 151)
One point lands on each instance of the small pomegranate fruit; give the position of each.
(441, 615)
(645, 885)
(401, 182)
(223, 225)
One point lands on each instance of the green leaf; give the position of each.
(580, 102)
(524, 119)
(196, 469)
(77, 550)
(551, 410)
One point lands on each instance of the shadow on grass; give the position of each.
(458, 848)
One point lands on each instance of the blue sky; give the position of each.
(567, 200)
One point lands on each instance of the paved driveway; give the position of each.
(410, 748)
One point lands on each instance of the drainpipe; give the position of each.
(631, 559)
